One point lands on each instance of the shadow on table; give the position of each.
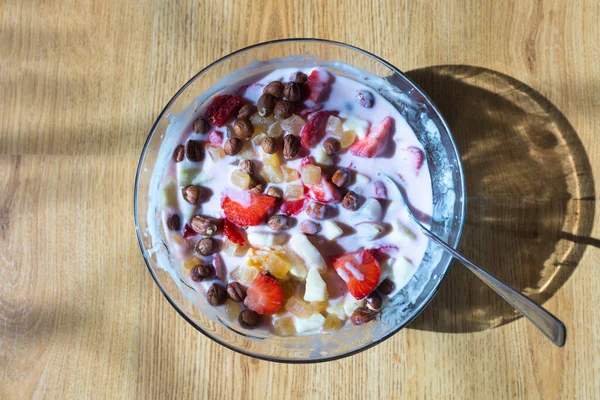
(530, 206)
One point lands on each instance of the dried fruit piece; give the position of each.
(375, 141)
(189, 263)
(359, 126)
(334, 126)
(248, 209)
(232, 309)
(223, 108)
(293, 124)
(244, 274)
(247, 152)
(298, 307)
(360, 270)
(347, 138)
(216, 153)
(274, 130)
(290, 174)
(318, 84)
(324, 191)
(264, 295)
(293, 192)
(284, 326)
(261, 123)
(332, 323)
(310, 174)
(274, 262)
(314, 130)
(241, 179)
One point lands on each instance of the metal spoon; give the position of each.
(547, 323)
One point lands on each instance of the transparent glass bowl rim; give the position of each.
(430, 104)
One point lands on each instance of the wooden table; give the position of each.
(80, 316)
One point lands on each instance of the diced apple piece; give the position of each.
(290, 174)
(402, 271)
(332, 323)
(232, 309)
(351, 304)
(300, 244)
(321, 156)
(266, 239)
(310, 174)
(359, 126)
(334, 126)
(312, 323)
(261, 124)
(402, 234)
(216, 153)
(168, 194)
(298, 269)
(347, 138)
(368, 230)
(241, 179)
(316, 289)
(293, 192)
(244, 274)
(293, 124)
(337, 309)
(274, 130)
(284, 326)
(370, 211)
(331, 230)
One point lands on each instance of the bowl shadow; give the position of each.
(530, 205)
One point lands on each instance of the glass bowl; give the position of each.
(447, 183)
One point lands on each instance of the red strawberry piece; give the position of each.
(188, 231)
(360, 271)
(324, 191)
(247, 208)
(215, 138)
(264, 295)
(380, 190)
(375, 141)
(292, 207)
(234, 233)
(313, 131)
(412, 156)
(317, 85)
(305, 111)
(223, 108)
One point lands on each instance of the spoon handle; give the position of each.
(547, 323)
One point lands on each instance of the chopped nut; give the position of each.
(194, 151)
(291, 146)
(309, 227)
(258, 188)
(216, 295)
(386, 287)
(248, 319)
(274, 88)
(366, 98)
(284, 109)
(201, 125)
(246, 111)
(207, 246)
(191, 194)
(316, 211)
(274, 192)
(292, 92)
(243, 128)
(205, 226)
(200, 272)
(331, 146)
(247, 165)
(340, 178)
(179, 153)
(233, 146)
(279, 222)
(265, 105)
(173, 222)
(350, 201)
(269, 145)
(374, 302)
(301, 77)
(236, 291)
(362, 315)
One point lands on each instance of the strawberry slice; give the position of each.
(375, 141)
(292, 207)
(360, 271)
(304, 111)
(215, 138)
(247, 208)
(264, 295)
(412, 156)
(188, 231)
(324, 191)
(313, 131)
(317, 85)
(234, 233)
(223, 108)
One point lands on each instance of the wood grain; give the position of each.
(81, 84)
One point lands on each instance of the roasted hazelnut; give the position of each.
(191, 194)
(274, 88)
(247, 166)
(201, 125)
(301, 77)
(233, 146)
(284, 109)
(279, 222)
(309, 227)
(340, 178)
(316, 211)
(205, 226)
(291, 146)
(200, 272)
(194, 151)
(216, 295)
(248, 319)
(179, 153)
(274, 192)
(292, 92)
(236, 291)
(350, 201)
(265, 105)
(331, 146)
(243, 128)
(362, 315)
(174, 223)
(374, 302)
(269, 145)
(207, 246)
(258, 188)
(386, 287)
(246, 111)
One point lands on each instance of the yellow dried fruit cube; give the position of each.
(293, 124)
(271, 160)
(284, 326)
(232, 309)
(318, 306)
(310, 174)
(244, 274)
(216, 153)
(298, 307)
(240, 179)
(240, 251)
(334, 126)
(272, 261)
(261, 124)
(190, 263)
(332, 323)
(290, 174)
(247, 152)
(274, 130)
(291, 288)
(272, 174)
(293, 192)
(347, 138)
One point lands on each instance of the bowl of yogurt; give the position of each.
(262, 213)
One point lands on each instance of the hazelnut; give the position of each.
(292, 92)
(248, 319)
(316, 211)
(191, 194)
(233, 146)
(207, 246)
(174, 223)
(386, 287)
(258, 188)
(274, 88)
(201, 125)
(374, 302)
(291, 146)
(362, 315)
(243, 128)
(350, 201)
(340, 178)
(300, 77)
(200, 272)
(284, 109)
(246, 165)
(265, 105)
(274, 192)
(179, 153)
(194, 151)
(246, 111)
(205, 226)
(236, 292)
(269, 145)
(216, 295)
(366, 98)
(279, 222)
(331, 146)
(309, 227)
